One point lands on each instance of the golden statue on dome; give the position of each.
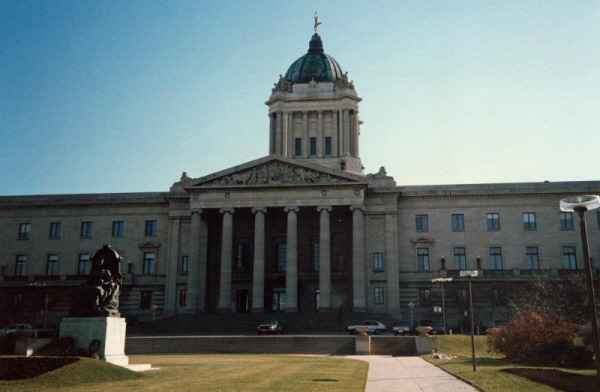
(317, 21)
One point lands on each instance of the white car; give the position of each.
(11, 329)
(374, 327)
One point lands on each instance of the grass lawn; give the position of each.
(205, 373)
(495, 374)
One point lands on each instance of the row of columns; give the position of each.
(344, 135)
(198, 260)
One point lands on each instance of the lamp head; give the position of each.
(580, 203)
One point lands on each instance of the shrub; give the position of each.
(587, 336)
(518, 339)
(63, 347)
(561, 352)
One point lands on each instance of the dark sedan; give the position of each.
(270, 327)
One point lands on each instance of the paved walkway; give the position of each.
(408, 374)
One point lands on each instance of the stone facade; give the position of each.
(300, 230)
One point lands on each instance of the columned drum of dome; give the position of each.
(315, 65)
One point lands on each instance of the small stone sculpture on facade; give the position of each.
(99, 295)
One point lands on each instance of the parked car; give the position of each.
(373, 326)
(270, 327)
(437, 328)
(13, 328)
(404, 327)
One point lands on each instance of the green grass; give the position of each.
(490, 375)
(205, 373)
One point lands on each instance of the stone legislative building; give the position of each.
(301, 229)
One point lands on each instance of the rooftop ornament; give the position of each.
(317, 22)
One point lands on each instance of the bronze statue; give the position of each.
(99, 295)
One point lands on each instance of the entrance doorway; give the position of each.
(243, 301)
(278, 301)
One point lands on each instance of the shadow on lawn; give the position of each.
(563, 381)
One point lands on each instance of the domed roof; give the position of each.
(315, 64)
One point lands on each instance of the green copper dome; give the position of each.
(315, 64)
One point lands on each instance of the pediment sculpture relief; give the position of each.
(275, 174)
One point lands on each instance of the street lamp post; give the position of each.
(581, 204)
(470, 274)
(441, 281)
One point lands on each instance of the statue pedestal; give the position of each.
(362, 345)
(109, 331)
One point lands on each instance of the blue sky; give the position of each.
(123, 96)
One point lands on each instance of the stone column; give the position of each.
(278, 133)
(290, 137)
(356, 135)
(271, 134)
(305, 136)
(320, 135)
(203, 261)
(359, 301)
(291, 255)
(334, 136)
(226, 258)
(341, 134)
(172, 263)
(391, 249)
(258, 277)
(346, 132)
(324, 259)
(284, 134)
(194, 262)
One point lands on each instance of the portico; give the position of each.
(291, 237)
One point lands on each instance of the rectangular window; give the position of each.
(378, 261)
(532, 257)
(328, 146)
(460, 258)
(424, 297)
(21, 265)
(598, 218)
(281, 257)
(566, 220)
(316, 252)
(146, 300)
(149, 265)
(569, 257)
(495, 258)
(421, 223)
(493, 221)
(297, 147)
(150, 228)
(86, 230)
(55, 230)
(458, 222)
(118, 228)
(378, 296)
(498, 297)
(52, 265)
(185, 260)
(529, 222)
(313, 146)
(183, 297)
(83, 264)
(24, 231)
(243, 258)
(423, 259)
(462, 297)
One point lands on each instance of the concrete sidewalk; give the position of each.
(408, 374)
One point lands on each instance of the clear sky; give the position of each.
(123, 96)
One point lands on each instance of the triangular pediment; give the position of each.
(274, 171)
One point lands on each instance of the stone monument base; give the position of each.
(108, 331)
